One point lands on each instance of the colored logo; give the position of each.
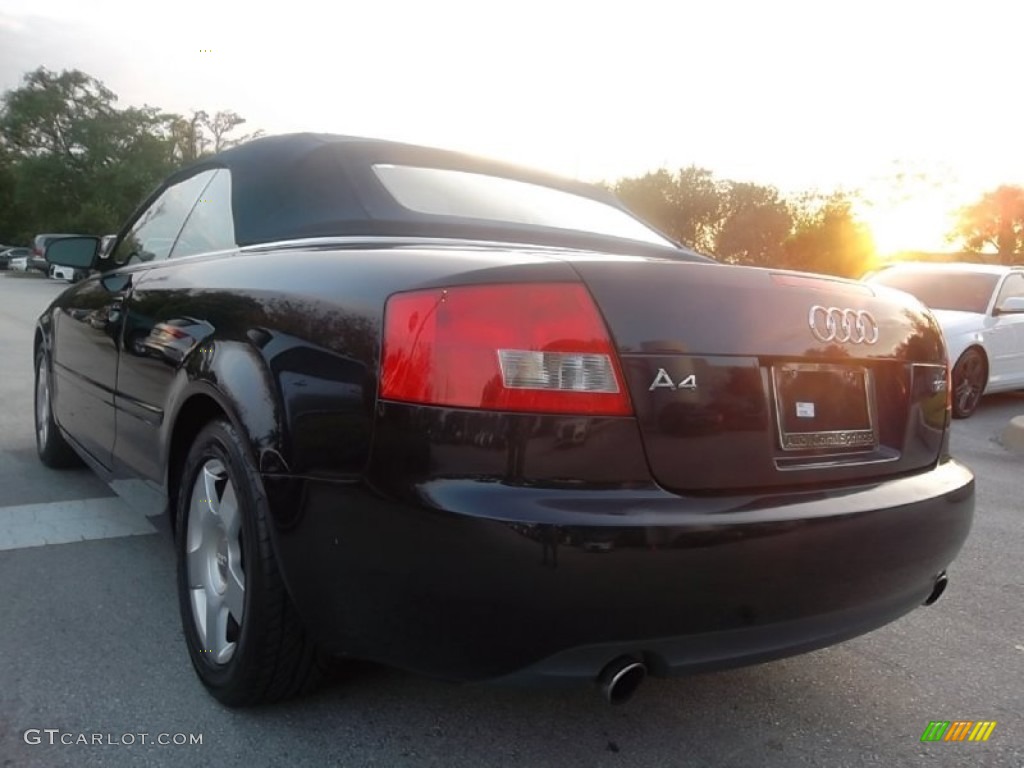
(958, 730)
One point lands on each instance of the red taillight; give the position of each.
(519, 347)
(171, 332)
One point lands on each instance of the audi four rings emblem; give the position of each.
(853, 326)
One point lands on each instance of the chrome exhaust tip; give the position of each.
(941, 581)
(620, 679)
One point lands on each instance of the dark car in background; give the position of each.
(482, 423)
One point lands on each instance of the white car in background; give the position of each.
(62, 273)
(980, 308)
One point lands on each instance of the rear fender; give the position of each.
(235, 377)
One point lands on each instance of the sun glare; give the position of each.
(912, 209)
(910, 226)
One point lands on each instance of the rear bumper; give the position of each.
(479, 580)
(721, 649)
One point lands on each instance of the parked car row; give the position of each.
(22, 259)
(14, 258)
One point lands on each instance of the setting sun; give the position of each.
(914, 225)
(913, 207)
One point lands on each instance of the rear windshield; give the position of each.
(945, 289)
(443, 192)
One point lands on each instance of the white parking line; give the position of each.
(63, 522)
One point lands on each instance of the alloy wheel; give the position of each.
(213, 553)
(968, 382)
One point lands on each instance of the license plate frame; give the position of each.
(841, 426)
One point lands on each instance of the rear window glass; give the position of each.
(444, 192)
(943, 289)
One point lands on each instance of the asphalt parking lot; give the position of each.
(90, 645)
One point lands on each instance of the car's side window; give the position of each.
(1012, 286)
(211, 225)
(153, 234)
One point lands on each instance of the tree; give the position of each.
(650, 197)
(77, 162)
(827, 238)
(738, 222)
(221, 124)
(72, 161)
(996, 221)
(754, 227)
(46, 116)
(9, 213)
(187, 137)
(687, 205)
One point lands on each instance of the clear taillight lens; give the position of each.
(559, 371)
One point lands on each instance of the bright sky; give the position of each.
(915, 103)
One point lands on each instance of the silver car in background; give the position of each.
(980, 308)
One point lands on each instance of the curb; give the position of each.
(1013, 434)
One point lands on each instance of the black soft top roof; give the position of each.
(318, 185)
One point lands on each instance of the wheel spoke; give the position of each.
(209, 484)
(197, 597)
(198, 560)
(234, 595)
(228, 512)
(216, 626)
(43, 403)
(223, 656)
(199, 536)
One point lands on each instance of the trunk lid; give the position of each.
(753, 378)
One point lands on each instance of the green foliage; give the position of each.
(51, 114)
(995, 222)
(223, 123)
(686, 206)
(72, 161)
(754, 226)
(828, 238)
(744, 223)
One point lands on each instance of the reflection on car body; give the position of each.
(173, 339)
(571, 432)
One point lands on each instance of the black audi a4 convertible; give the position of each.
(482, 423)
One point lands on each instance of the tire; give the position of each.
(256, 651)
(970, 375)
(133, 344)
(53, 449)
